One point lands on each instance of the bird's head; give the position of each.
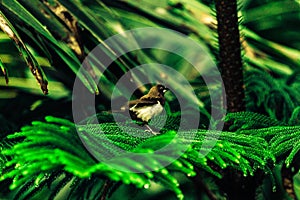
(158, 90)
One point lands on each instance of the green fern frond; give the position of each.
(53, 147)
(61, 152)
(37, 155)
(251, 120)
(230, 150)
(286, 140)
(4, 144)
(269, 95)
(282, 140)
(295, 150)
(62, 158)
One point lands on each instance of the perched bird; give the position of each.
(148, 106)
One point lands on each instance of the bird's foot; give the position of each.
(151, 131)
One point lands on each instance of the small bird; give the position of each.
(148, 106)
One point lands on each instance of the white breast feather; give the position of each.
(147, 112)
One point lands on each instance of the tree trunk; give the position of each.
(230, 61)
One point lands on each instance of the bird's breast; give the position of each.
(145, 113)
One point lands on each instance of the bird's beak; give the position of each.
(165, 90)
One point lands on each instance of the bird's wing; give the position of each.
(142, 103)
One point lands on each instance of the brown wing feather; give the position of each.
(142, 102)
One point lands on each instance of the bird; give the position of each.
(148, 106)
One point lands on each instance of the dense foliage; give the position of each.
(43, 44)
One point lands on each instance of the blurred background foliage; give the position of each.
(43, 44)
